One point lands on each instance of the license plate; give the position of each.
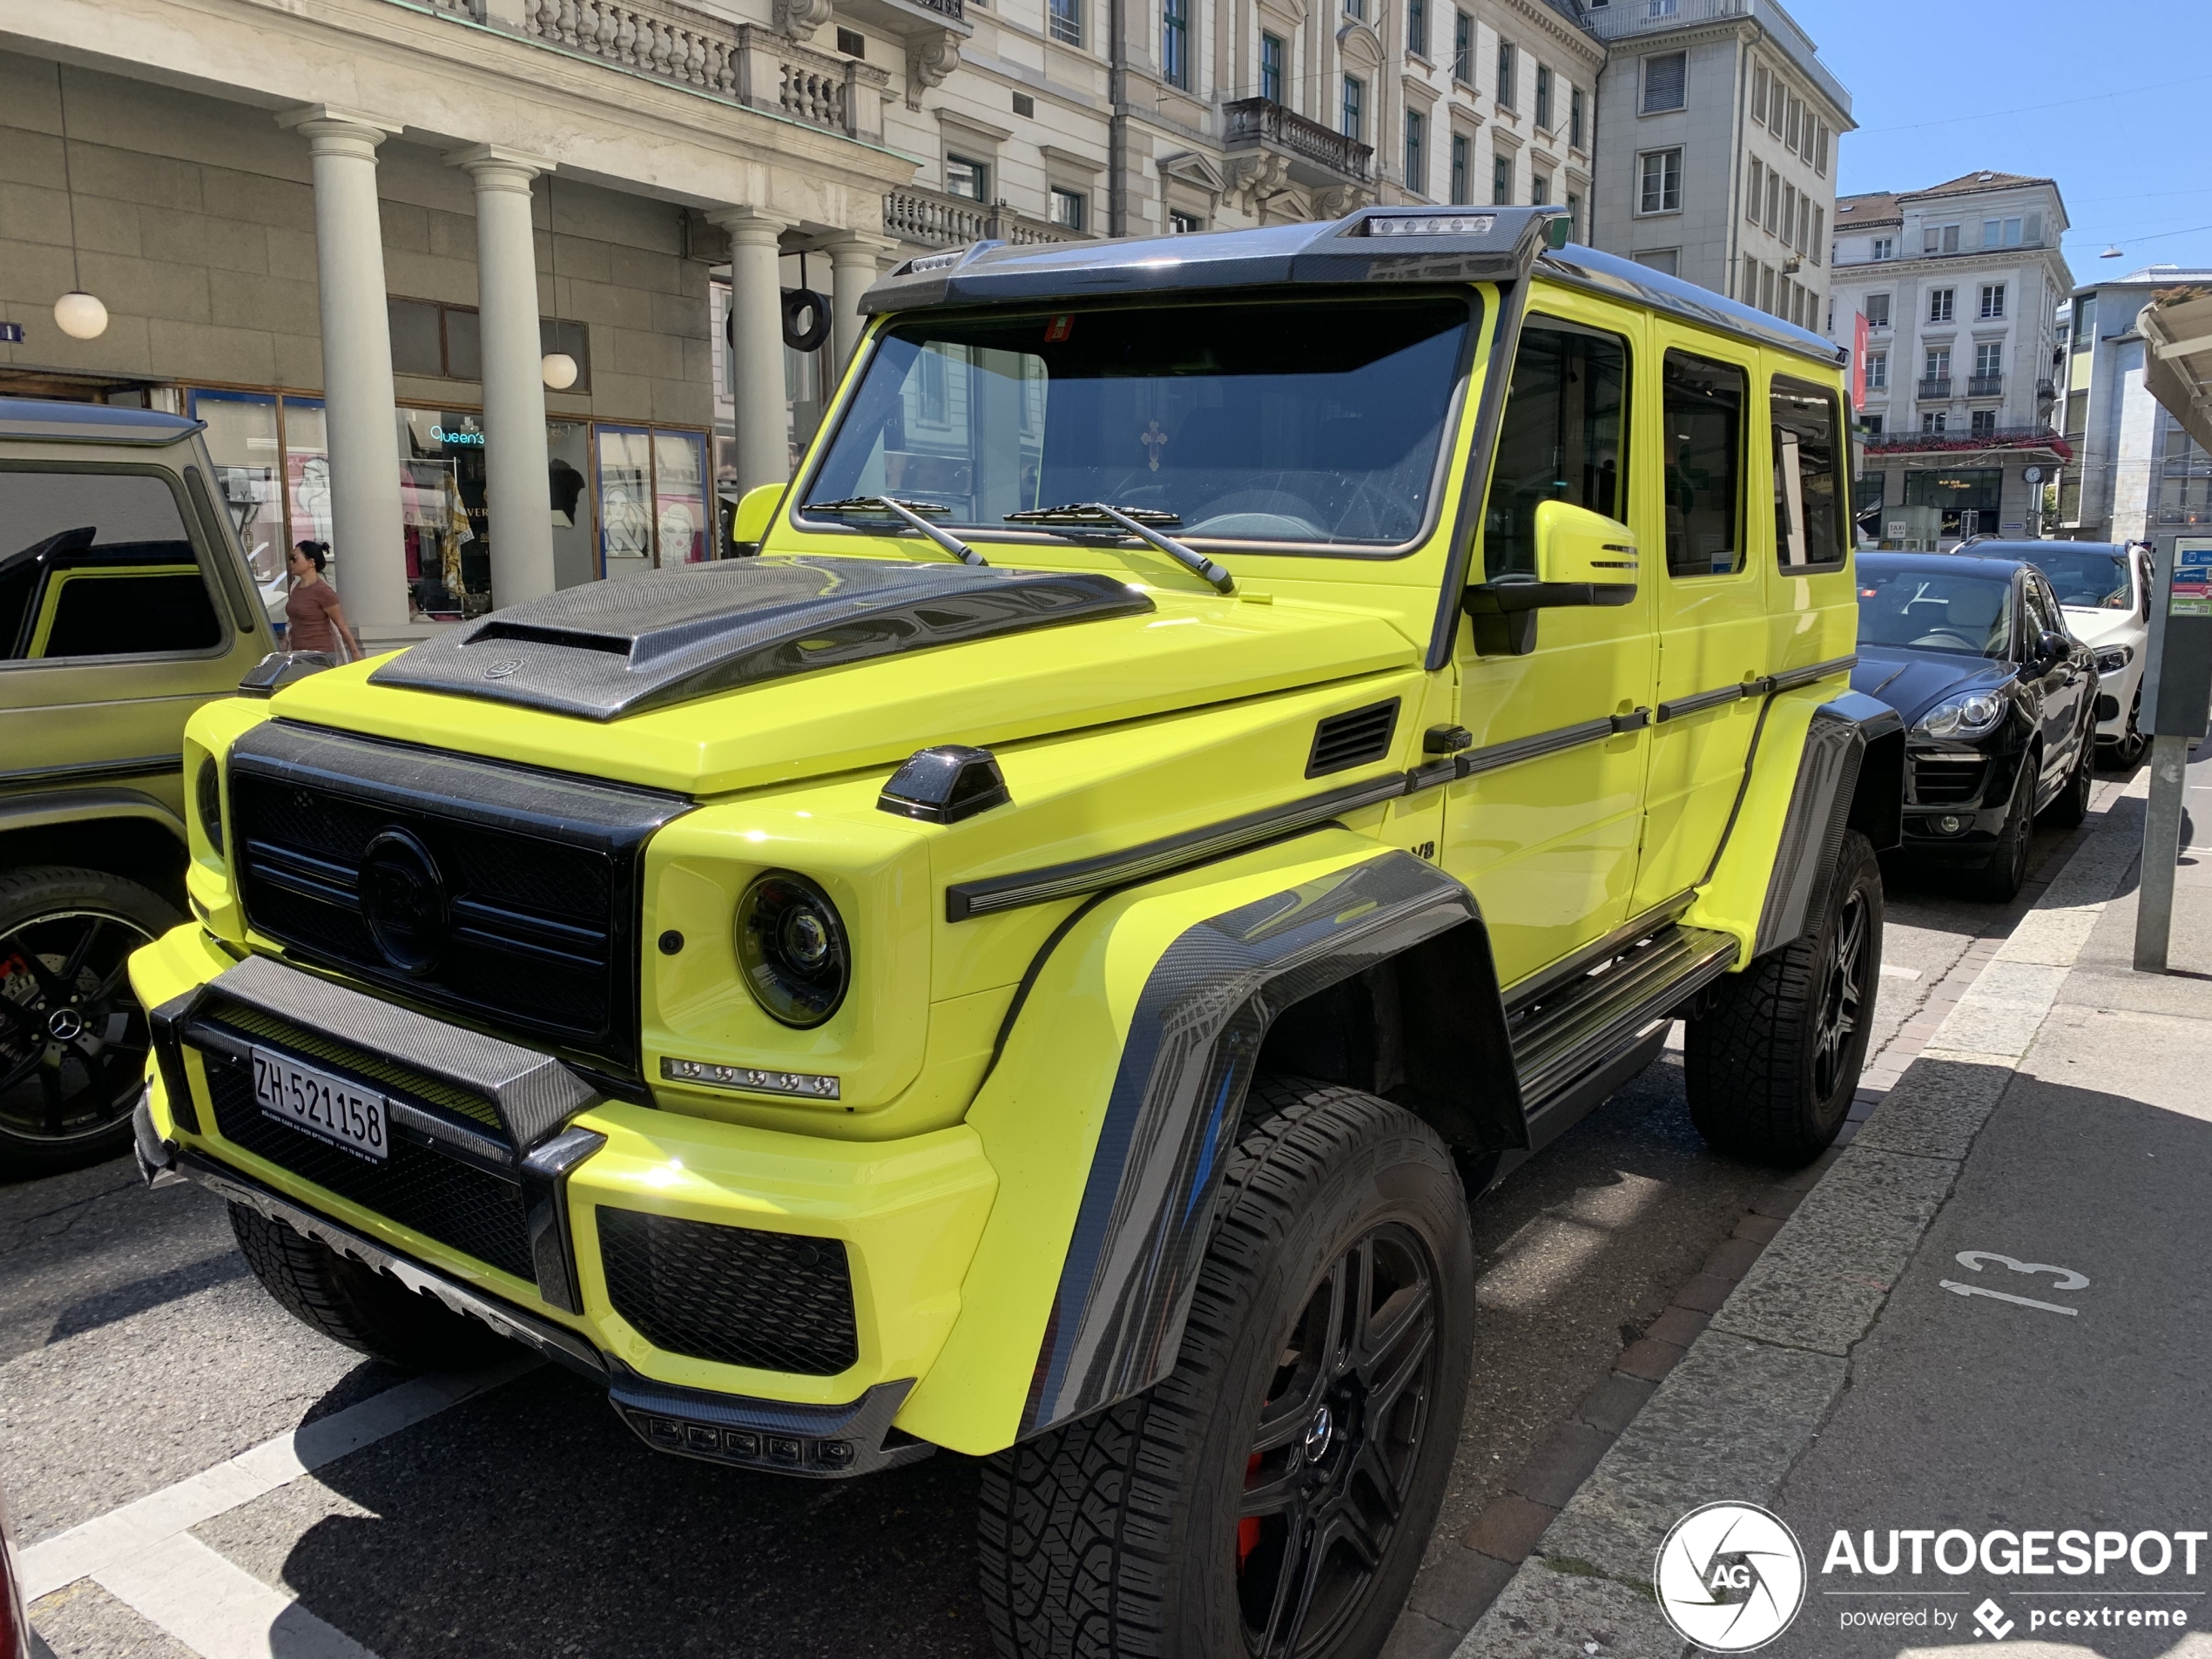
(327, 1107)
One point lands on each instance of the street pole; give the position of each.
(2177, 697)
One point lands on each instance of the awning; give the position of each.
(2177, 356)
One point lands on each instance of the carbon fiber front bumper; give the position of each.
(821, 1442)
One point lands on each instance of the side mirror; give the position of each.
(2053, 648)
(749, 524)
(1582, 558)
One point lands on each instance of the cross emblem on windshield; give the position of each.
(1152, 438)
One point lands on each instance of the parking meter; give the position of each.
(2177, 701)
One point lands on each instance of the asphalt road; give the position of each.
(136, 1350)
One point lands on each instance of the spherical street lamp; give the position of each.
(80, 316)
(559, 370)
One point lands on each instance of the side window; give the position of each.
(1809, 460)
(2043, 614)
(1704, 484)
(97, 565)
(1563, 437)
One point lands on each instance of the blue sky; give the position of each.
(1944, 87)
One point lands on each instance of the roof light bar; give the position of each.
(1434, 225)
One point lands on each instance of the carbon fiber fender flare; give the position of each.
(1194, 1042)
(1850, 775)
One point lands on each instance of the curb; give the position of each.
(1743, 1369)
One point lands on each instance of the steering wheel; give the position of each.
(1937, 639)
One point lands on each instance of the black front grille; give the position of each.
(1352, 739)
(535, 874)
(458, 1204)
(773, 1301)
(1947, 782)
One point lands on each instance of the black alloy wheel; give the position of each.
(1333, 1458)
(1843, 994)
(2007, 870)
(73, 1039)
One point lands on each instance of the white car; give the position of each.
(2105, 591)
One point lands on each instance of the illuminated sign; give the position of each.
(456, 434)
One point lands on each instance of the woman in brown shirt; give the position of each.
(314, 618)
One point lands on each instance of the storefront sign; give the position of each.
(456, 434)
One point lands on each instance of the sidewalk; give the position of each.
(1884, 1366)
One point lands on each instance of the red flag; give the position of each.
(1857, 362)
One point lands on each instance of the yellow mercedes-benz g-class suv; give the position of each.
(1229, 745)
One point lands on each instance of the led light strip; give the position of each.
(806, 1085)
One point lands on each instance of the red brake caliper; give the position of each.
(1248, 1528)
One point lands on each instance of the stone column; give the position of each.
(757, 344)
(367, 535)
(514, 457)
(855, 260)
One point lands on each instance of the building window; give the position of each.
(1758, 190)
(1939, 304)
(1462, 160)
(1175, 43)
(1993, 299)
(1885, 247)
(1540, 189)
(1543, 98)
(1982, 422)
(1665, 259)
(1463, 48)
(1183, 223)
(2085, 323)
(1271, 68)
(1789, 214)
(1750, 293)
(1877, 371)
(1933, 420)
(1416, 169)
(1355, 99)
(852, 43)
(1940, 238)
(1068, 22)
(1871, 426)
(1773, 202)
(1666, 79)
(1417, 27)
(1989, 359)
(2000, 232)
(1068, 208)
(1767, 275)
(1574, 119)
(1820, 151)
(1660, 187)
(1356, 9)
(1818, 239)
(1758, 94)
(1505, 74)
(965, 178)
(1501, 180)
(1574, 217)
(1877, 311)
(1935, 372)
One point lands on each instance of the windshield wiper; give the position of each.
(1138, 521)
(909, 511)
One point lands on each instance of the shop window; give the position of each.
(445, 522)
(271, 465)
(437, 341)
(652, 497)
(1967, 497)
(1703, 414)
(98, 566)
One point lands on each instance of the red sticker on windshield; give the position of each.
(1059, 328)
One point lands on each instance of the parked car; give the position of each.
(2105, 588)
(125, 603)
(1999, 697)
(1228, 746)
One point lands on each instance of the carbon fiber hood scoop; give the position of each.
(615, 648)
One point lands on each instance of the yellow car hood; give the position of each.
(1173, 651)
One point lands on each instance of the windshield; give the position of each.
(1935, 610)
(2095, 581)
(1303, 421)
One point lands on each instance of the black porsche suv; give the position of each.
(1999, 701)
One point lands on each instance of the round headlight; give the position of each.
(792, 949)
(207, 792)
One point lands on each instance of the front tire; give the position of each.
(358, 1306)
(2007, 871)
(72, 1038)
(1273, 1494)
(2073, 803)
(1772, 1064)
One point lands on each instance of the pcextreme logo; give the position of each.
(1730, 1577)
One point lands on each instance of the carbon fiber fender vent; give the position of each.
(1352, 739)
